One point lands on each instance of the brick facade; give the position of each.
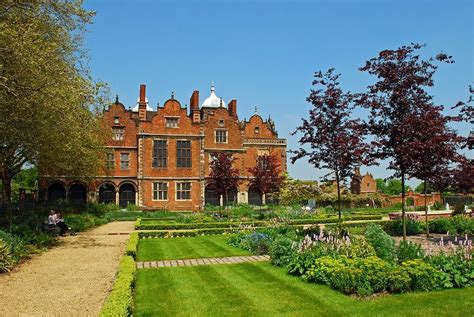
(131, 176)
(363, 184)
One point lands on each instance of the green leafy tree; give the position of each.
(390, 187)
(46, 92)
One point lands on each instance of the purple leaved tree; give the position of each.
(332, 139)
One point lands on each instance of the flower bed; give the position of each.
(364, 265)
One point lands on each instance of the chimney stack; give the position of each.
(232, 108)
(194, 105)
(142, 103)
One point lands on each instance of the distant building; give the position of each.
(159, 159)
(361, 185)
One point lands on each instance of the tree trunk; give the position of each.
(426, 210)
(404, 224)
(7, 195)
(225, 200)
(338, 196)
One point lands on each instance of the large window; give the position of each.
(160, 191)
(160, 154)
(221, 136)
(110, 163)
(183, 191)
(183, 154)
(263, 162)
(119, 134)
(124, 161)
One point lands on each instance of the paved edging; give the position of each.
(202, 261)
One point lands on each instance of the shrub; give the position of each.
(398, 281)
(322, 269)
(461, 225)
(439, 225)
(423, 276)
(458, 209)
(459, 270)
(132, 244)
(375, 272)
(346, 279)
(357, 248)
(282, 250)
(395, 227)
(383, 244)
(120, 300)
(7, 260)
(407, 250)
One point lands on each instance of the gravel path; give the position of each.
(70, 280)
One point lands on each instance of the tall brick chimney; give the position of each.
(232, 108)
(142, 103)
(194, 104)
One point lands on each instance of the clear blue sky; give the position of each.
(264, 53)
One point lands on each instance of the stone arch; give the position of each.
(107, 193)
(56, 191)
(255, 196)
(77, 193)
(127, 192)
(211, 197)
(231, 197)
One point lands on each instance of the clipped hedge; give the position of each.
(120, 300)
(186, 233)
(142, 225)
(132, 244)
(185, 226)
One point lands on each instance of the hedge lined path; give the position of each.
(202, 261)
(72, 279)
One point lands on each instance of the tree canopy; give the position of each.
(334, 140)
(46, 91)
(398, 102)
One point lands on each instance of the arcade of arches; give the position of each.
(77, 193)
(126, 193)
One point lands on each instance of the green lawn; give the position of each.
(186, 248)
(260, 289)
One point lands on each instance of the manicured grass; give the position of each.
(260, 289)
(186, 248)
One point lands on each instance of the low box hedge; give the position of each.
(139, 225)
(186, 233)
(132, 244)
(120, 300)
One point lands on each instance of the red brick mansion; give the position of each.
(159, 159)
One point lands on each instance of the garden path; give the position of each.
(203, 261)
(72, 279)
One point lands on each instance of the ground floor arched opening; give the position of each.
(56, 191)
(231, 197)
(107, 194)
(77, 193)
(211, 197)
(255, 196)
(126, 195)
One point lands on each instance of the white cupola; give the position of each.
(213, 101)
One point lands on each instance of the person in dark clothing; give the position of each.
(60, 223)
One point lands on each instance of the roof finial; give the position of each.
(212, 87)
(116, 99)
(172, 95)
(220, 102)
(255, 109)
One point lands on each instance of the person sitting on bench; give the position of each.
(60, 223)
(52, 218)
